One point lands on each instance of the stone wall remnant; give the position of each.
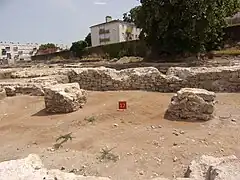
(32, 86)
(64, 98)
(191, 104)
(217, 79)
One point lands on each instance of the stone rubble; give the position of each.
(203, 168)
(2, 93)
(191, 104)
(6, 73)
(32, 168)
(211, 168)
(64, 98)
(10, 90)
(32, 86)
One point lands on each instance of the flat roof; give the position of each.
(113, 21)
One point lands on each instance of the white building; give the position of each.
(113, 31)
(13, 52)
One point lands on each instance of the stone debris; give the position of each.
(2, 93)
(10, 90)
(32, 168)
(125, 59)
(203, 168)
(191, 104)
(211, 168)
(6, 73)
(64, 98)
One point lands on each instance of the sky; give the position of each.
(56, 21)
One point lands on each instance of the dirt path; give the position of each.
(147, 144)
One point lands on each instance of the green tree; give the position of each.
(132, 15)
(78, 48)
(88, 39)
(47, 46)
(179, 26)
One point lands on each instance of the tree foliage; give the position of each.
(88, 40)
(132, 15)
(78, 48)
(47, 46)
(179, 26)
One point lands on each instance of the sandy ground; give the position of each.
(147, 144)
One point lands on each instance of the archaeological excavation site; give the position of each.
(62, 122)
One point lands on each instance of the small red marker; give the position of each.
(122, 105)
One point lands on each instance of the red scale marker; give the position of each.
(122, 105)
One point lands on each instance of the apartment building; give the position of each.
(113, 31)
(13, 52)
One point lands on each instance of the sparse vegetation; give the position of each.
(107, 155)
(47, 46)
(65, 138)
(90, 119)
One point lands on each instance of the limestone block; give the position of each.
(211, 168)
(10, 90)
(32, 168)
(191, 104)
(64, 98)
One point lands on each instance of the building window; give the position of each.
(20, 52)
(7, 48)
(15, 48)
(104, 31)
(9, 56)
(4, 52)
(16, 57)
(104, 40)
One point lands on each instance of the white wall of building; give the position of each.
(13, 52)
(111, 35)
(115, 33)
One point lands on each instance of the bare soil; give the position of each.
(147, 144)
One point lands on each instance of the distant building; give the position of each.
(235, 20)
(13, 52)
(113, 31)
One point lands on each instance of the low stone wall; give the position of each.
(33, 86)
(218, 79)
(103, 79)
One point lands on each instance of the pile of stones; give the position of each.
(191, 104)
(64, 98)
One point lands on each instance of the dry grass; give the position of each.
(228, 52)
(91, 119)
(107, 155)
